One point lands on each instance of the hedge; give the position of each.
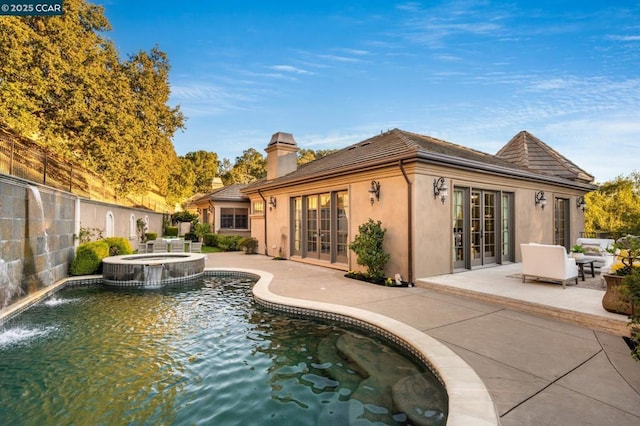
(89, 257)
(171, 231)
(118, 246)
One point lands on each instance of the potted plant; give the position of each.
(577, 251)
(616, 298)
(630, 291)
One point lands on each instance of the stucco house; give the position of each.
(445, 207)
(226, 209)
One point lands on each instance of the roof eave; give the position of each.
(341, 171)
(433, 158)
(503, 171)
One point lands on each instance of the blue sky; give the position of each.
(334, 73)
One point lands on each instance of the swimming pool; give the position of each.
(197, 354)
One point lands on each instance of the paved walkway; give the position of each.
(540, 350)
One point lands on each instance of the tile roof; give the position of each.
(527, 150)
(226, 193)
(393, 145)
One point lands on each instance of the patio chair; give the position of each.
(177, 246)
(548, 263)
(196, 247)
(159, 246)
(142, 248)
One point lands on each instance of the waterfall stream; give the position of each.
(38, 237)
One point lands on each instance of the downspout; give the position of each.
(409, 223)
(264, 214)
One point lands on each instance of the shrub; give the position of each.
(171, 231)
(118, 246)
(368, 246)
(183, 216)
(201, 229)
(151, 236)
(229, 242)
(141, 228)
(190, 236)
(210, 240)
(249, 244)
(89, 257)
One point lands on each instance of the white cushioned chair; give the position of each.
(596, 250)
(547, 263)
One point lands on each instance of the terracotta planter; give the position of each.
(612, 300)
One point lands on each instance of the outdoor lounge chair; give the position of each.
(548, 263)
(177, 246)
(159, 246)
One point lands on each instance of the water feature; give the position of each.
(153, 275)
(38, 237)
(37, 225)
(202, 353)
(8, 287)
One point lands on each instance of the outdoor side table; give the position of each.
(581, 263)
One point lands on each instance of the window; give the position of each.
(258, 206)
(132, 226)
(234, 218)
(109, 225)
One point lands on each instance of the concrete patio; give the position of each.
(547, 355)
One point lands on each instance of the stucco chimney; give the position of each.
(282, 156)
(216, 183)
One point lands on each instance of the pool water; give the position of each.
(197, 354)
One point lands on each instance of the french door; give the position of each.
(561, 223)
(483, 228)
(320, 226)
(482, 231)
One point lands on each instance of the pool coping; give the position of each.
(469, 399)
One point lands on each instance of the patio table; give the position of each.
(581, 263)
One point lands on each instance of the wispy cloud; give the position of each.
(624, 38)
(205, 99)
(338, 58)
(353, 52)
(290, 69)
(432, 26)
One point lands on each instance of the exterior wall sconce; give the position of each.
(272, 201)
(374, 191)
(581, 203)
(440, 189)
(541, 199)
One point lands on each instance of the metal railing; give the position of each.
(24, 159)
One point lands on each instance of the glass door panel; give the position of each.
(312, 226)
(561, 234)
(476, 229)
(459, 246)
(489, 232)
(324, 230)
(506, 227)
(342, 227)
(296, 241)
